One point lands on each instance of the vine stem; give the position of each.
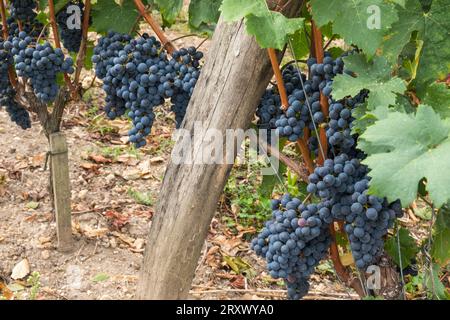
(278, 78)
(11, 73)
(156, 28)
(84, 37)
(317, 43)
(51, 6)
(303, 146)
(342, 272)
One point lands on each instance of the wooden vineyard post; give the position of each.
(233, 79)
(61, 190)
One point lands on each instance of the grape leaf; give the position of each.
(435, 59)
(233, 10)
(438, 97)
(203, 13)
(107, 15)
(59, 4)
(272, 30)
(415, 147)
(169, 9)
(441, 238)
(434, 286)
(408, 247)
(399, 2)
(361, 22)
(410, 18)
(374, 76)
(300, 43)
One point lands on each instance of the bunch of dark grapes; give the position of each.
(71, 37)
(138, 75)
(40, 63)
(343, 183)
(105, 52)
(268, 111)
(187, 65)
(17, 113)
(339, 127)
(23, 10)
(294, 241)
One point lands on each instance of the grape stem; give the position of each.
(342, 272)
(284, 105)
(84, 37)
(317, 44)
(278, 78)
(51, 6)
(156, 28)
(270, 150)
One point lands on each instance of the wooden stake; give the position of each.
(61, 190)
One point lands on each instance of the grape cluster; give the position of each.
(268, 111)
(297, 236)
(339, 127)
(294, 241)
(304, 110)
(71, 37)
(40, 63)
(23, 9)
(138, 75)
(343, 184)
(17, 113)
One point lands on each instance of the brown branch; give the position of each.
(278, 78)
(303, 146)
(341, 271)
(51, 6)
(156, 28)
(269, 149)
(84, 38)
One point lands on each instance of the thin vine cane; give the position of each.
(284, 104)
(167, 44)
(84, 38)
(57, 41)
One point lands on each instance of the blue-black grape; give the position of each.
(138, 75)
(70, 35)
(40, 63)
(23, 9)
(17, 112)
(294, 241)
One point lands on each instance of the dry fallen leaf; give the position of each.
(99, 158)
(21, 270)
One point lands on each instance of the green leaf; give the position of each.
(203, 13)
(59, 4)
(101, 277)
(435, 59)
(440, 250)
(32, 205)
(357, 21)
(169, 9)
(434, 285)
(438, 97)
(408, 247)
(374, 76)
(399, 2)
(272, 30)
(300, 44)
(108, 15)
(402, 149)
(233, 10)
